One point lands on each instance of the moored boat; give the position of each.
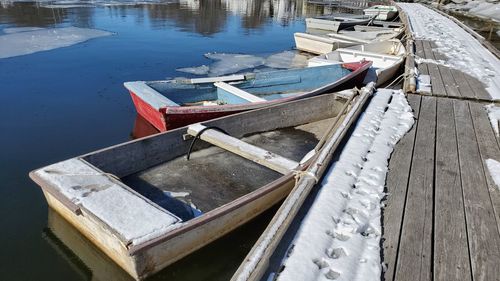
(145, 205)
(175, 103)
(381, 12)
(387, 57)
(332, 23)
(322, 44)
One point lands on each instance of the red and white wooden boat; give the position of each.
(171, 104)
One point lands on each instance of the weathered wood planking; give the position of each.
(478, 88)
(449, 82)
(489, 149)
(484, 239)
(463, 87)
(397, 185)
(415, 249)
(419, 51)
(438, 87)
(451, 254)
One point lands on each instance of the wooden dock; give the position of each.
(442, 215)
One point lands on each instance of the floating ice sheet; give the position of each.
(10, 30)
(232, 63)
(19, 43)
(286, 60)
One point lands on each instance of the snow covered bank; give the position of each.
(24, 41)
(340, 236)
(463, 51)
(478, 8)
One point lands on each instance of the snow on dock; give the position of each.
(340, 236)
(459, 65)
(29, 40)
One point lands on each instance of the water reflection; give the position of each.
(203, 17)
(142, 128)
(216, 261)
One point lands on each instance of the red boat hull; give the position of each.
(169, 118)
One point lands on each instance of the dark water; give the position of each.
(68, 101)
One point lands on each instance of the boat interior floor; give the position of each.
(213, 176)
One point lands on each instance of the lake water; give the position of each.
(68, 101)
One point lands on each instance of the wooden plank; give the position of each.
(238, 92)
(397, 185)
(477, 87)
(243, 149)
(489, 149)
(483, 237)
(228, 78)
(419, 51)
(449, 82)
(436, 80)
(463, 87)
(451, 254)
(415, 249)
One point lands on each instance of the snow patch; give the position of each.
(494, 116)
(464, 52)
(23, 41)
(494, 169)
(340, 236)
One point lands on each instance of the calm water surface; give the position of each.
(68, 101)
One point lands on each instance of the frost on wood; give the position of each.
(29, 40)
(494, 170)
(340, 236)
(131, 217)
(462, 50)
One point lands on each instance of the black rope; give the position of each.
(198, 136)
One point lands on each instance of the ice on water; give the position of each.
(226, 63)
(29, 40)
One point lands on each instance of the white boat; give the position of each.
(387, 57)
(381, 12)
(322, 44)
(335, 23)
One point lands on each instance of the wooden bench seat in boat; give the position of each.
(243, 149)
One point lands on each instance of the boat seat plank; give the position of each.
(228, 78)
(243, 149)
(238, 92)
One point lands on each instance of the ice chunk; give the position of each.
(197, 70)
(232, 63)
(286, 59)
(10, 30)
(29, 42)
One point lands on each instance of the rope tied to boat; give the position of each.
(198, 136)
(300, 174)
